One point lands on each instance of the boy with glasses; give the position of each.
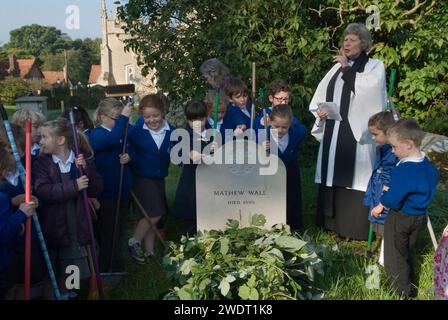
(279, 92)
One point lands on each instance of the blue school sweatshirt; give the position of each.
(237, 117)
(148, 161)
(412, 187)
(107, 147)
(12, 191)
(385, 162)
(226, 125)
(296, 136)
(10, 224)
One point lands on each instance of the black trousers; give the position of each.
(105, 235)
(400, 236)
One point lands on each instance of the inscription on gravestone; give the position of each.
(238, 191)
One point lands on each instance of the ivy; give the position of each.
(243, 263)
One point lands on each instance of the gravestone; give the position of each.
(34, 103)
(237, 190)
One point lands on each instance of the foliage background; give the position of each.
(294, 40)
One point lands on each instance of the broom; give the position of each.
(94, 256)
(37, 226)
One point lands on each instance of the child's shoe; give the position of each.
(149, 255)
(136, 251)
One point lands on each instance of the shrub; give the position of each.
(243, 263)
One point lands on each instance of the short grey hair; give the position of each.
(362, 32)
(216, 70)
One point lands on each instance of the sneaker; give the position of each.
(136, 252)
(149, 254)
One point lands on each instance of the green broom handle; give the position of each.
(392, 82)
(215, 118)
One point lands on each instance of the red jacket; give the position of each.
(53, 195)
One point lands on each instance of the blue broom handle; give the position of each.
(40, 235)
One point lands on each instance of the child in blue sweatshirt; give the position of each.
(149, 143)
(224, 122)
(11, 186)
(411, 190)
(279, 92)
(385, 161)
(11, 223)
(106, 140)
(238, 112)
(288, 140)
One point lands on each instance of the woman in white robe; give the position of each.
(357, 85)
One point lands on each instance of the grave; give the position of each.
(237, 189)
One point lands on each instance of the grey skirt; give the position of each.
(151, 195)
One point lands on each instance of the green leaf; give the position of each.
(252, 281)
(258, 220)
(224, 246)
(186, 267)
(276, 253)
(204, 283)
(232, 224)
(185, 293)
(224, 285)
(289, 243)
(247, 293)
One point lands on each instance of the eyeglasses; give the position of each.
(112, 118)
(281, 98)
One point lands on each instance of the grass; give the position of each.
(345, 262)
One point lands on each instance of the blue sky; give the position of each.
(17, 13)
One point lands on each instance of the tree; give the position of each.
(11, 88)
(290, 40)
(79, 59)
(37, 39)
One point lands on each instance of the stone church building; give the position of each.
(117, 65)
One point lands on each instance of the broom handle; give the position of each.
(86, 209)
(252, 111)
(27, 278)
(118, 205)
(37, 226)
(139, 205)
(215, 116)
(431, 233)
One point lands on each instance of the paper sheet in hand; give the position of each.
(331, 109)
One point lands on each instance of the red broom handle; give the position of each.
(28, 200)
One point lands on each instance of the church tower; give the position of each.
(106, 77)
(118, 65)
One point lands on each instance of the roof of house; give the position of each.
(95, 72)
(52, 77)
(25, 66)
